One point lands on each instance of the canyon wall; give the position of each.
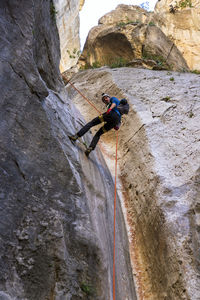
(159, 158)
(56, 206)
(182, 27)
(66, 13)
(129, 35)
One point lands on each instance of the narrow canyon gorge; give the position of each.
(56, 204)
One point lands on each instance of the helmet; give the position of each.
(103, 98)
(104, 95)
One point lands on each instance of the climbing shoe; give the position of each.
(73, 138)
(88, 150)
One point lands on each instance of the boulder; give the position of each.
(126, 34)
(124, 14)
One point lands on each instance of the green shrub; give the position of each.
(53, 11)
(85, 67)
(166, 99)
(185, 3)
(195, 71)
(86, 288)
(151, 23)
(75, 53)
(118, 62)
(96, 64)
(171, 79)
(123, 24)
(158, 58)
(191, 114)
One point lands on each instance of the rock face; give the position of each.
(130, 32)
(82, 2)
(56, 206)
(126, 34)
(67, 19)
(182, 27)
(159, 156)
(125, 13)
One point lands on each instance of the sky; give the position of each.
(93, 10)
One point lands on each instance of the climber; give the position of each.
(111, 119)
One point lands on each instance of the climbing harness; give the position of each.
(115, 194)
(101, 118)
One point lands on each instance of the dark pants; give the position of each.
(111, 120)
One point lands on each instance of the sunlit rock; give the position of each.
(125, 34)
(82, 2)
(67, 19)
(159, 157)
(182, 26)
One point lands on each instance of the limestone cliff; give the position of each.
(159, 157)
(81, 4)
(127, 36)
(182, 27)
(56, 206)
(67, 18)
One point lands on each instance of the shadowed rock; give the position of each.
(56, 206)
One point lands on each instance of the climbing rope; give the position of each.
(115, 217)
(83, 96)
(115, 197)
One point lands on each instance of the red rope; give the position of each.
(115, 197)
(115, 217)
(83, 96)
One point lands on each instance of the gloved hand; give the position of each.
(108, 111)
(116, 127)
